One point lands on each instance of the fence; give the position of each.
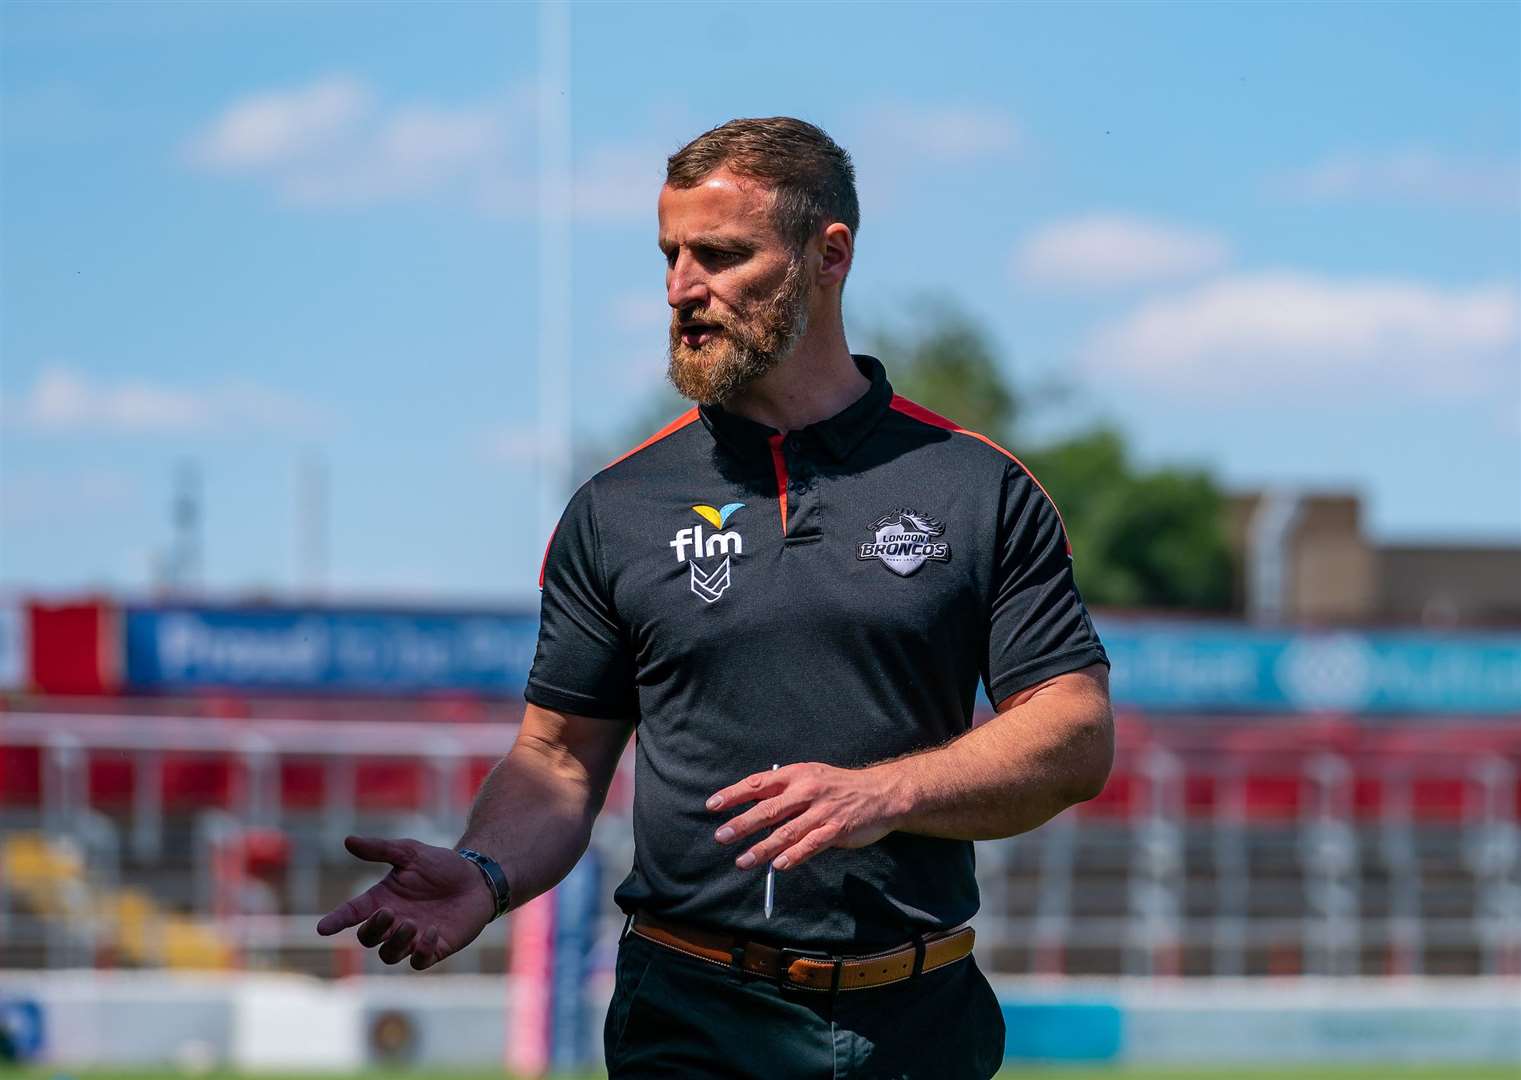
(1239, 847)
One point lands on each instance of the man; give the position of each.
(805, 571)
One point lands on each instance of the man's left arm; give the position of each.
(1048, 747)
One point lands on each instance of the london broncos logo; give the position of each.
(709, 584)
(906, 540)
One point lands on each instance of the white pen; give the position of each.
(770, 875)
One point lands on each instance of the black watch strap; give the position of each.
(496, 880)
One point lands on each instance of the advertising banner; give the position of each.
(73, 647)
(357, 651)
(1197, 666)
(1162, 665)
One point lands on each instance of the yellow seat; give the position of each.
(50, 876)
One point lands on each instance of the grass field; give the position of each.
(1233, 1072)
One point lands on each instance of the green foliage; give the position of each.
(1153, 539)
(946, 362)
(1139, 538)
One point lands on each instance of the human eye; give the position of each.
(715, 256)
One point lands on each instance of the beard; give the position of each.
(746, 348)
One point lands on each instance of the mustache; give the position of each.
(685, 316)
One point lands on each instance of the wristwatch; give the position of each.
(496, 880)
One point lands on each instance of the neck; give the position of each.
(816, 381)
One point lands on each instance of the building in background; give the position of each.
(1305, 559)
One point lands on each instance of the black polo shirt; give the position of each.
(833, 595)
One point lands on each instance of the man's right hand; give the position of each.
(431, 905)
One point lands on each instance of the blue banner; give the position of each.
(1199, 666)
(174, 648)
(1158, 665)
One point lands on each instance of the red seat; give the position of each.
(303, 783)
(20, 776)
(1117, 800)
(199, 781)
(389, 784)
(112, 779)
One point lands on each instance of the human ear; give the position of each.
(836, 250)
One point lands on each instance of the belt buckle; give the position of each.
(785, 956)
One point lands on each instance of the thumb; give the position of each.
(376, 849)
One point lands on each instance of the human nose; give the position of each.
(685, 283)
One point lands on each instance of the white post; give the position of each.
(555, 206)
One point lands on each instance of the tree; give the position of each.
(1140, 538)
(946, 362)
(1152, 539)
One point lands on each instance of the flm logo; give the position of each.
(692, 543)
(906, 540)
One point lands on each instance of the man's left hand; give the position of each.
(811, 806)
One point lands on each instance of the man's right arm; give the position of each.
(535, 810)
(533, 815)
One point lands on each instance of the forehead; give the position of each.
(721, 204)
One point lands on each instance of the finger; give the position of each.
(768, 812)
(399, 944)
(423, 949)
(819, 839)
(755, 786)
(347, 914)
(785, 835)
(373, 932)
(376, 849)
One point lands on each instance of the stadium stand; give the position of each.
(176, 780)
(1314, 844)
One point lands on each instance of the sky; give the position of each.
(296, 247)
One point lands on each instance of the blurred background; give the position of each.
(313, 315)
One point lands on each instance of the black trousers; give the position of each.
(676, 1016)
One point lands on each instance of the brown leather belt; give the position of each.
(807, 968)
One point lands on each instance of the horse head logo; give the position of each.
(905, 540)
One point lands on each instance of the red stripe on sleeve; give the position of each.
(925, 416)
(544, 563)
(674, 426)
(670, 429)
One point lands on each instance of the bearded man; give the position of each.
(791, 592)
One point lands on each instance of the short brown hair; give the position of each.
(812, 175)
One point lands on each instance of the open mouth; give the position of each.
(695, 334)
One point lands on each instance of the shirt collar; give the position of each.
(839, 435)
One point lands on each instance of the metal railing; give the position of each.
(1155, 888)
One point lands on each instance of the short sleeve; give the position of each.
(1039, 627)
(583, 664)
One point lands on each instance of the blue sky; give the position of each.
(1280, 241)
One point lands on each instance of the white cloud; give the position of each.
(1411, 175)
(1107, 250)
(64, 400)
(282, 125)
(1295, 336)
(333, 143)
